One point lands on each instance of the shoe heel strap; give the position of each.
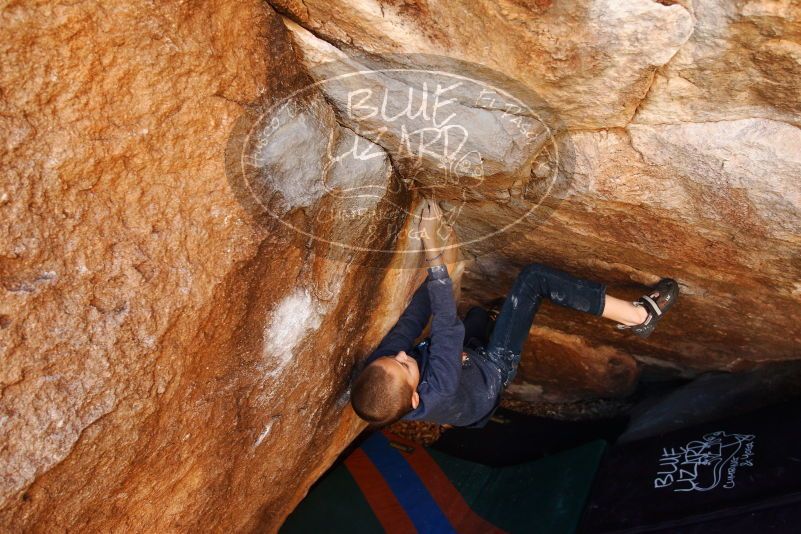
(650, 304)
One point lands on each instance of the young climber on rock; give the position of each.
(456, 376)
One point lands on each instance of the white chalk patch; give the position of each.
(292, 147)
(514, 301)
(288, 325)
(264, 433)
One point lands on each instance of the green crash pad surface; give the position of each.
(544, 496)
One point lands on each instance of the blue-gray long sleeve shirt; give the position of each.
(450, 392)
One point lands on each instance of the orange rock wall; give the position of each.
(171, 363)
(682, 121)
(143, 388)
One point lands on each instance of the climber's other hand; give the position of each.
(430, 225)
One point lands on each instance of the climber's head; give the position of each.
(387, 389)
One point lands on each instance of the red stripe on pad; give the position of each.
(463, 519)
(379, 496)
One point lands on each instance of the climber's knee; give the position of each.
(535, 270)
(531, 279)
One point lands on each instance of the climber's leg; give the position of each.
(513, 323)
(623, 311)
(477, 324)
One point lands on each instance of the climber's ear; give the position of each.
(415, 400)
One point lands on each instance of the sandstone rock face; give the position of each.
(200, 238)
(680, 125)
(168, 363)
(740, 62)
(595, 57)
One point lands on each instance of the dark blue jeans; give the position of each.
(534, 283)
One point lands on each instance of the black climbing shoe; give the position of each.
(657, 303)
(494, 308)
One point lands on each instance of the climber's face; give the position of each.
(405, 368)
(409, 367)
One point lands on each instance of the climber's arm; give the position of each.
(415, 317)
(408, 328)
(447, 334)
